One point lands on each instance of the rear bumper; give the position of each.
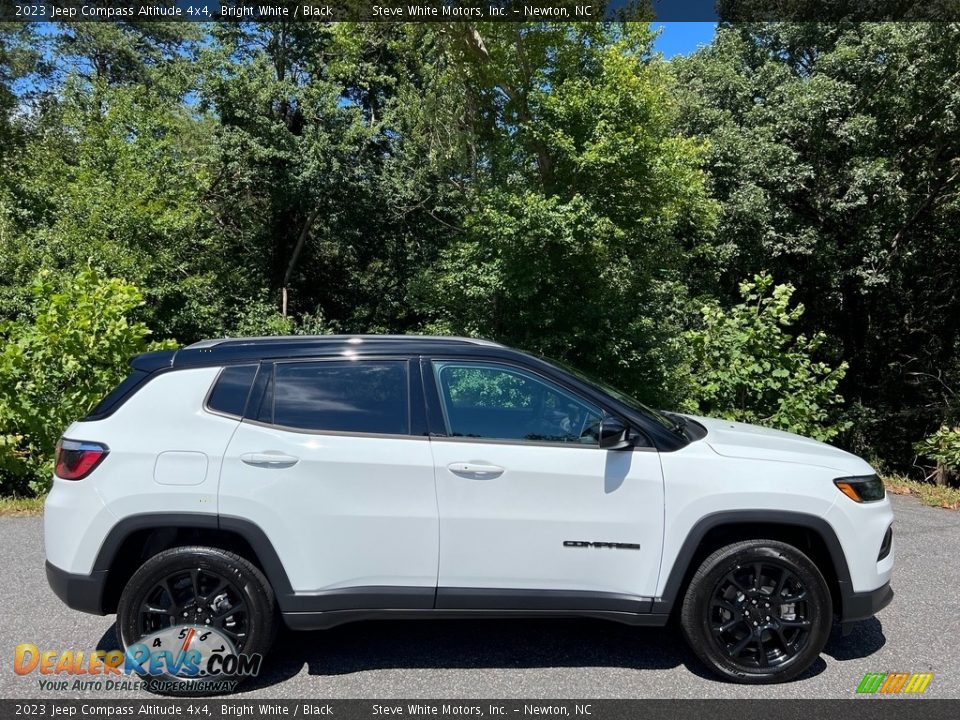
(80, 592)
(862, 605)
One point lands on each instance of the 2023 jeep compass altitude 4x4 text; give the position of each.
(327, 479)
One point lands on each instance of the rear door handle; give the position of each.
(269, 459)
(475, 471)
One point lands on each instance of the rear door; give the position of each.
(327, 465)
(533, 514)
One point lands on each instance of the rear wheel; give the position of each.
(202, 599)
(757, 611)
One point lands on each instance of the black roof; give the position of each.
(231, 350)
(252, 349)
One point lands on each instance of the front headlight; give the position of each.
(865, 488)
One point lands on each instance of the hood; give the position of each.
(740, 440)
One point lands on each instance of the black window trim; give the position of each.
(246, 402)
(258, 389)
(437, 414)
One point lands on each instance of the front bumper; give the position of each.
(862, 605)
(80, 592)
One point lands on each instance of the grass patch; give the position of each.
(927, 493)
(21, 507)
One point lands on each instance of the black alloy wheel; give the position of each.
(197, 596)
(757, 611)
(759, 614)
(199, 587)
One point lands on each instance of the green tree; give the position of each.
(943, 447)
(579, 195)
(746, 366)
(834, 150)
(56, 363)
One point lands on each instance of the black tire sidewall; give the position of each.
(245, 576)
(695, 617)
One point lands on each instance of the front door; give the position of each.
(533, 514)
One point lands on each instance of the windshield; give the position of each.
(628, 400)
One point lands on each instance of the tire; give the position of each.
(233, 597)
(733, 623)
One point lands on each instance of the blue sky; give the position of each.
(682, 38)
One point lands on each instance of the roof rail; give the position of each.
(270, 339)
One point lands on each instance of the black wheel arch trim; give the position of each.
(85, 592)
(248, 531)
(681, 569)
(94, 585)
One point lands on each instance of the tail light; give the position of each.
(77, 458)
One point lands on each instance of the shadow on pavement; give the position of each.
(865, 639)
(423, 644)
(519, 644)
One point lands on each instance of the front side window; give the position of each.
(363, 396)
(498, 402)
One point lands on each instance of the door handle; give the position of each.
(269, 459)
(475, 471)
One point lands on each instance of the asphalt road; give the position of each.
(918, 632)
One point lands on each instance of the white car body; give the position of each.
(347, 524)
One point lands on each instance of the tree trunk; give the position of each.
(295, 256)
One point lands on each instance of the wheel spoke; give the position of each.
(784, 576)
(761, 652)
(224, 614)
(195, 582)
(740, 646)
(757, 573)
(729, 625)
(168, 586)
(724, 604)
(786, 645)
(210, 596)
(795, 623)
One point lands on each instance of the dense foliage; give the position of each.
(746, 366)
(64, 353)
(763, 230)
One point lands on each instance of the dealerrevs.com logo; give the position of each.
(894, 683)
(184, 658)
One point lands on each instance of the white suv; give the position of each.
(343, 478)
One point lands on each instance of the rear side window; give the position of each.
(367, 396)
(118, 395)
(229, 394)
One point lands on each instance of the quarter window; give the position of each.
(367, 396)
(229, 395)
(503, 403)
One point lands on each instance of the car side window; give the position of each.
(229, 393)
(364, 396)
(498, 402)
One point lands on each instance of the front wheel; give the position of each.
(757, 611)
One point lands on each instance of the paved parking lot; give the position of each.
(531, 659)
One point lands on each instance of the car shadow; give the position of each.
(470, 644)
(501, 644)
(463, 644)
(865, 638)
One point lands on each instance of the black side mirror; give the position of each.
(614, 435)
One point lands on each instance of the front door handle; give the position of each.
(269, 459)
(475, 471)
